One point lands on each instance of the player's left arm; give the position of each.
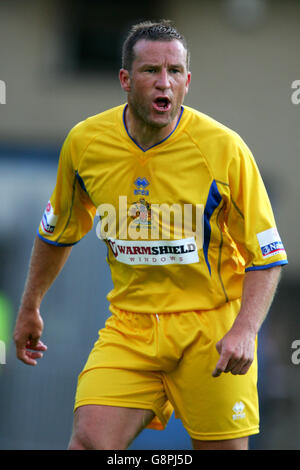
(237, 347)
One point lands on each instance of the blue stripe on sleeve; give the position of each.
(266, 266)
(213, 200)
(80, 181)
(54, 243)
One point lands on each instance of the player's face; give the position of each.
(158, 81)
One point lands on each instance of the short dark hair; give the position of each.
(151, 31)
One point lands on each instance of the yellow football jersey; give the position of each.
(182, 220)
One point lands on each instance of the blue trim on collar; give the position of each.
(158, 143)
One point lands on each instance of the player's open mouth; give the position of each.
(162, 104)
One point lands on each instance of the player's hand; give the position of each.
(28, 330)
(236, 351)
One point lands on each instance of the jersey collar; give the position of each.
(158, 143)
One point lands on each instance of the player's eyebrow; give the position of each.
(150, 65)
(176, 66)
(158, 66)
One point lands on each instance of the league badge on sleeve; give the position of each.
(270, 242)
(49, 220)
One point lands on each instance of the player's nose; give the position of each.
(163, 80)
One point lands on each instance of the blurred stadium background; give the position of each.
(59, 61)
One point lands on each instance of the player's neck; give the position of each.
(144, 134)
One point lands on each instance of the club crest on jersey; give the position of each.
(140, 212)
(49, 220)
(141, 184)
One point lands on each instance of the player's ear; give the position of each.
(188, 81)
(124, 77)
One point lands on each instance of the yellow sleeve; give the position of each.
(69, 214)
(251, 221)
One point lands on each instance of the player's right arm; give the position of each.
(68, 216)
(45, 264)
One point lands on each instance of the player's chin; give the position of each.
(161, 120)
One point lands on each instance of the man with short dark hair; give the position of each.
(190, 291)
(149, 31)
